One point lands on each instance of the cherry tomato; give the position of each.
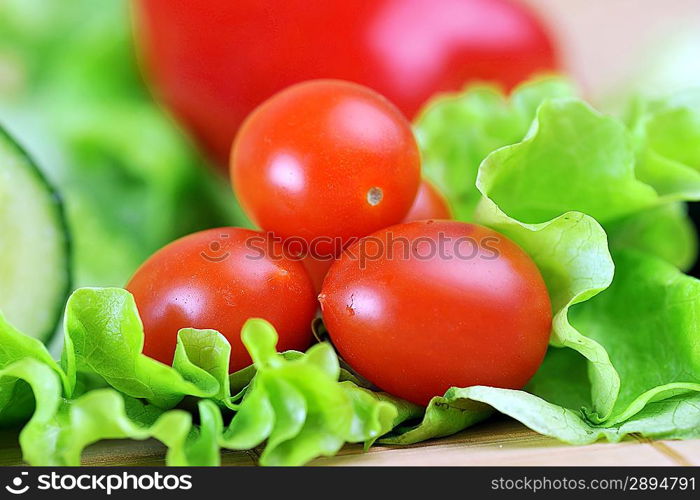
(213, 61)
(325, 161)
(218, 279)
(420, 307)
(428, 204)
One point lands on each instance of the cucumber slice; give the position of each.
(34, 248)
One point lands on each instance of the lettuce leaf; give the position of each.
(648, 321)
(525, 180)
(677, 417)
(457, 131)
(573, 159)
(556, 193)
(60, 429)
(293, 402)
(570, 249)
(16, 401)
(299, 408)
(667, 133)
(665, 231)
(104, 335)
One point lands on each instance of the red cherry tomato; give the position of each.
(429, 204)
(472, 310)
(218, 279)
(213, 61)
(325, 161)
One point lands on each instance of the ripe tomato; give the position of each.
(325, 161)
(464, 306)
(429, 204)
(218, 279)
(213, 61)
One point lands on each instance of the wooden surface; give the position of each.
(500, 442)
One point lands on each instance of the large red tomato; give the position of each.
(218, 279)
(420, 307)
(213, 61)
(325, 161)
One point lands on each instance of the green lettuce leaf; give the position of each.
(299, 408)
(60, 429)
(293, 402)
(202, 358)
(668, 129)
(104, 335)
(553, 193)
(376, 413)
(16, 401)
(538, 179)
(457, 131)
(677, 417)
(664, 231)
(443, 416)
(666, 134)
(648, 321)
(573, 159)
(563, 367)
(570, 249)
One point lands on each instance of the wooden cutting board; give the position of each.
(497, 442)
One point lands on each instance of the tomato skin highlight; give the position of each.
(218, 279)
(213, 61)
(325, 161)
(418, 326)
(428, 204)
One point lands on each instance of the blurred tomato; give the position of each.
(213, 61)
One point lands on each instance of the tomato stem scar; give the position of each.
(374, 196)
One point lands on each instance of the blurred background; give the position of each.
(134, 175)
(617, 47)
